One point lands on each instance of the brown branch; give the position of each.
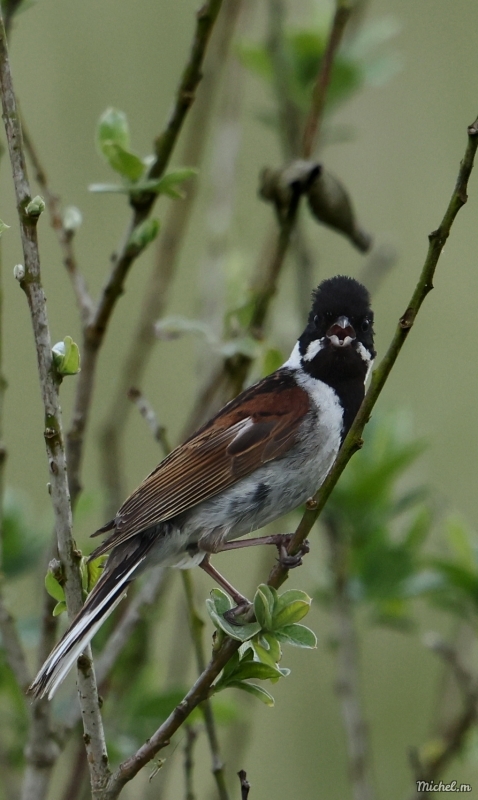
(29, 276)
(245, 785)
(128, 252)
(343, 10)
(191, 737)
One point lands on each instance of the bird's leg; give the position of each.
(280, 540)
(242, 602)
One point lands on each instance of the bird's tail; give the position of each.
(104, 598)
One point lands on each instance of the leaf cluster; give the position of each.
(277, 622)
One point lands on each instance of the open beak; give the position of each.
(341, 333)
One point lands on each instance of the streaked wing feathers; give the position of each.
(255, 428)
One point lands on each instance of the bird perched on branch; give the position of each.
(261, 456)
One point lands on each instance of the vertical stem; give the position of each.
(343, 10)
(30, 281)
(196, 625)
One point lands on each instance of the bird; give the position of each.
(263, 454)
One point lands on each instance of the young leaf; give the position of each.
(264, 606)
(3, 227)
(298, 635)
(59, 608)
(53, 588)
(239, 632)
(66, 356)
(123, 161)
(113, 127)
(144, 233)
(256, 691)
(169, 183)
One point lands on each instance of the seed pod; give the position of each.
(330, 204)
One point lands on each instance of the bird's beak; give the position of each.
(341, 333)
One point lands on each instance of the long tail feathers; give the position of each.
(102, 601)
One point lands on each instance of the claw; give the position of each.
(232, 615)
(288, 561)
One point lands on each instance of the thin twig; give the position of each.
(169, 246)
(30, 281)
(343, 10)
(245, 785)
(196, 626)
(348, 677)
(147, 412)
(128, 252)
(65, 237)
(43, 745)
(429, 763)
(191, 736)
(353, 440)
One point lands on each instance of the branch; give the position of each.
(191, 736)
(245, 785)
(169, 245)
(29, 277)
(353, 440)
(123, 259)
(343, 10)
(452, 739)
(65, 237)
(196, 626)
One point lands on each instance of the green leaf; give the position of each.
(53, 588)
(291, 607)
(95, 570)
(298, 635)
(242, 633)
(222, 601)
(264, 606)
(170, 182)
(113, 128)
(274, 646)
(66, 356)
(144, 233)
(123, 161)
(3, 227)
(84, 576)
(59, 608)
(256, 691)
(256, 669)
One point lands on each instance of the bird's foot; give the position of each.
(290, 561)
(233, 616)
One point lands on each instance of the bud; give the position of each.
(19, 272)
(35, 206)
(72, 219)
(3, 227)
(144, 234)
(330, 204)
(66, 357)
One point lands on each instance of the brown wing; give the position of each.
(258, 426)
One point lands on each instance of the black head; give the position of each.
(340, 319)
(337, 344)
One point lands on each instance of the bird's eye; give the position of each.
(365, 325)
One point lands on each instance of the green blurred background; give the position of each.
(72, 60)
